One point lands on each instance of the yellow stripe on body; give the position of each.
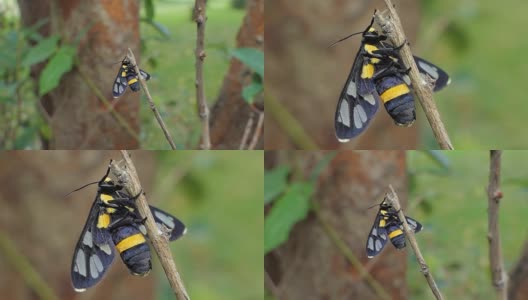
(395, 233)
(103, 221)
(129, 242)
(133, 80)
(394, 92)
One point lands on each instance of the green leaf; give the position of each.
(275, 182)
(58, 65)
(249, 92)
(149, 9)
(162, 29)
(439, 158)
(252, 58)
(289, 209)
(42, 51)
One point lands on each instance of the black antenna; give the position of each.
(376, 204)
(370, 25)
(82, 187)
(345, 38)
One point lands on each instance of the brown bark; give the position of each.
(306, 76)
(44, 225)
(230, 113)
(309, 265)
(78, 119)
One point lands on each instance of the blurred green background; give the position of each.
(481, 45)
(448, 196)
(220, 200)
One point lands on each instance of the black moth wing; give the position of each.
(93, 253)
(145, 75)
(415, 225)
(354, 110)
(438, 75)
(377, 238)
(121, 82)
(163, 219)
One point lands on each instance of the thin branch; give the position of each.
(288, 123)
(132, 60)
(270, 286)
(349, 255)
(200, 18)
(498, 275)
(393, 28)
(127, 175)
(257, 133)
(392, 197)
(21, 264)
(247, 130)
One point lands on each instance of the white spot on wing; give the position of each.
(166, 219)
(370, 99)
(360, 117)
(106, 248)
(407, 79)
(87, 240)
(352, 89)
(431, 70)
(374, 231)
(362, 113)
(80, 263)
(93, 268)
(143, 229)
(370, 243)
(378, 245)
(98, 263)
(344, 113)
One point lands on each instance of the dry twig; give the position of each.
(132, 60)
(287, 122)
(392, 197)
(247, 130)
(35, 282)
(203, 110)
(127, 175)
(498, 275)
(393, 28)
(258, 132)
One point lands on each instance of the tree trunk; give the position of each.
(230, 113)
(79, 120)
(310, 265)
(306, 76)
